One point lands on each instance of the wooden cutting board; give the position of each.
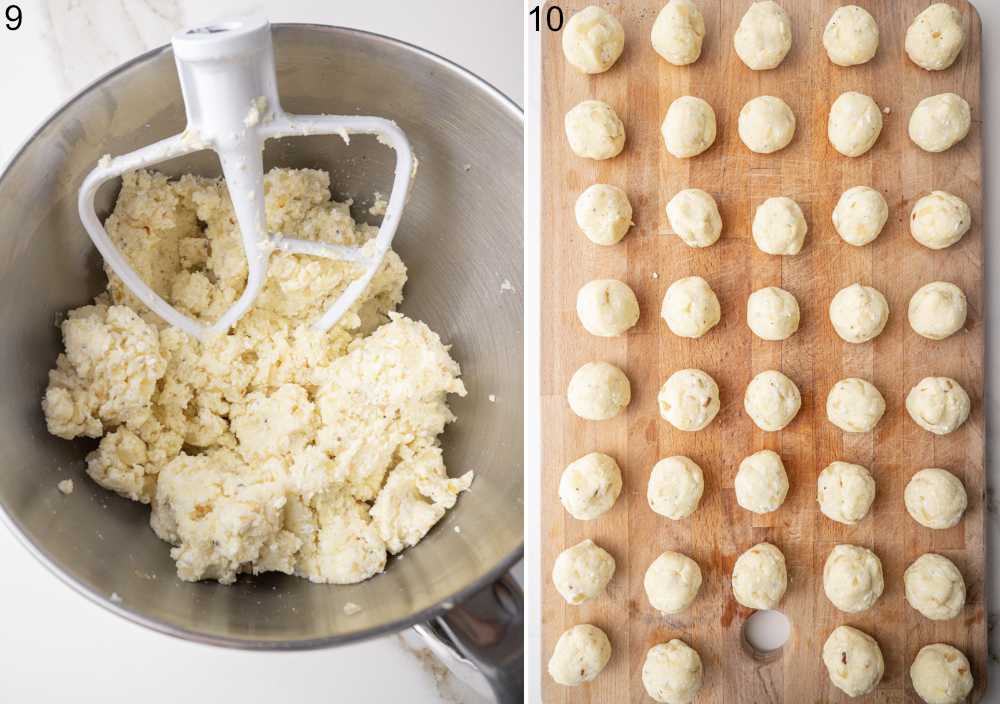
(640, 87)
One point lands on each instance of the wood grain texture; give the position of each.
(640, 87)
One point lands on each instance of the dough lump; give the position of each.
(271, 447)
(580, 655)
(853, 660)
(689, 127)
(106, 377)
(760, 577)
(764, 36)
(672, 582)
(675, 487)
(772, 313)
(603, 213)
(934, 587)
(694, 217)
(941, 674)
(582, 571)
(935, 498)
(772, 400)
(594, 130)
(935, 38)
(851, 36)
(940, 122)
(607, 307)
(690, 307)
(859, 313)
(689, 399)
(860, 215)
(854, 405)
(937, 310)
(678, 32)
(855, 123)
(761, 483)
(672, 673)
(598, 391)
(938, 404)
(779, 227)
(592, 40)
(589, 486)
(939, 220)
(852, 578)
(845, 492)
(766, 124)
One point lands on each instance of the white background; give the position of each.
(536, 660)
(55, 646)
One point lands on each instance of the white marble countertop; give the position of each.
(55, 645)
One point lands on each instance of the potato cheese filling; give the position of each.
(273, 447)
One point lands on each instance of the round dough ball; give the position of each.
(935, 498)
(941, 674)
(854, 405)
(845, 492)
(598, 391)
(772, 313)
(590, 486)
(678, 32)
(937, 310)
(938, 404)
(779, 227)
(851, 36)
(860, 215)
(772, 400)
(689, 399)
(580, 655)
(672, 673)
(855, 123)
(853, 660)
(766, 124)
(940, 122)
(760, 577)
(761, 483)
(607, 307)
(594, 130)
(690, 307)
(582, 571)
(689, 127)
(936, 37)
(852, 578)
(764, 36)
(934, 587)
(939, 220)
(675, 487)
(694, 217)
(592, 40)
(603, 213)
(672, 582)
(859, 313)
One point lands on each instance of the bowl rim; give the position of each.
(105, 601)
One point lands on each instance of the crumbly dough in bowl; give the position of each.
(272, 447)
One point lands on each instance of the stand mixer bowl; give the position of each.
(461, 239)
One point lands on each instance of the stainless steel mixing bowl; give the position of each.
(461, 238)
